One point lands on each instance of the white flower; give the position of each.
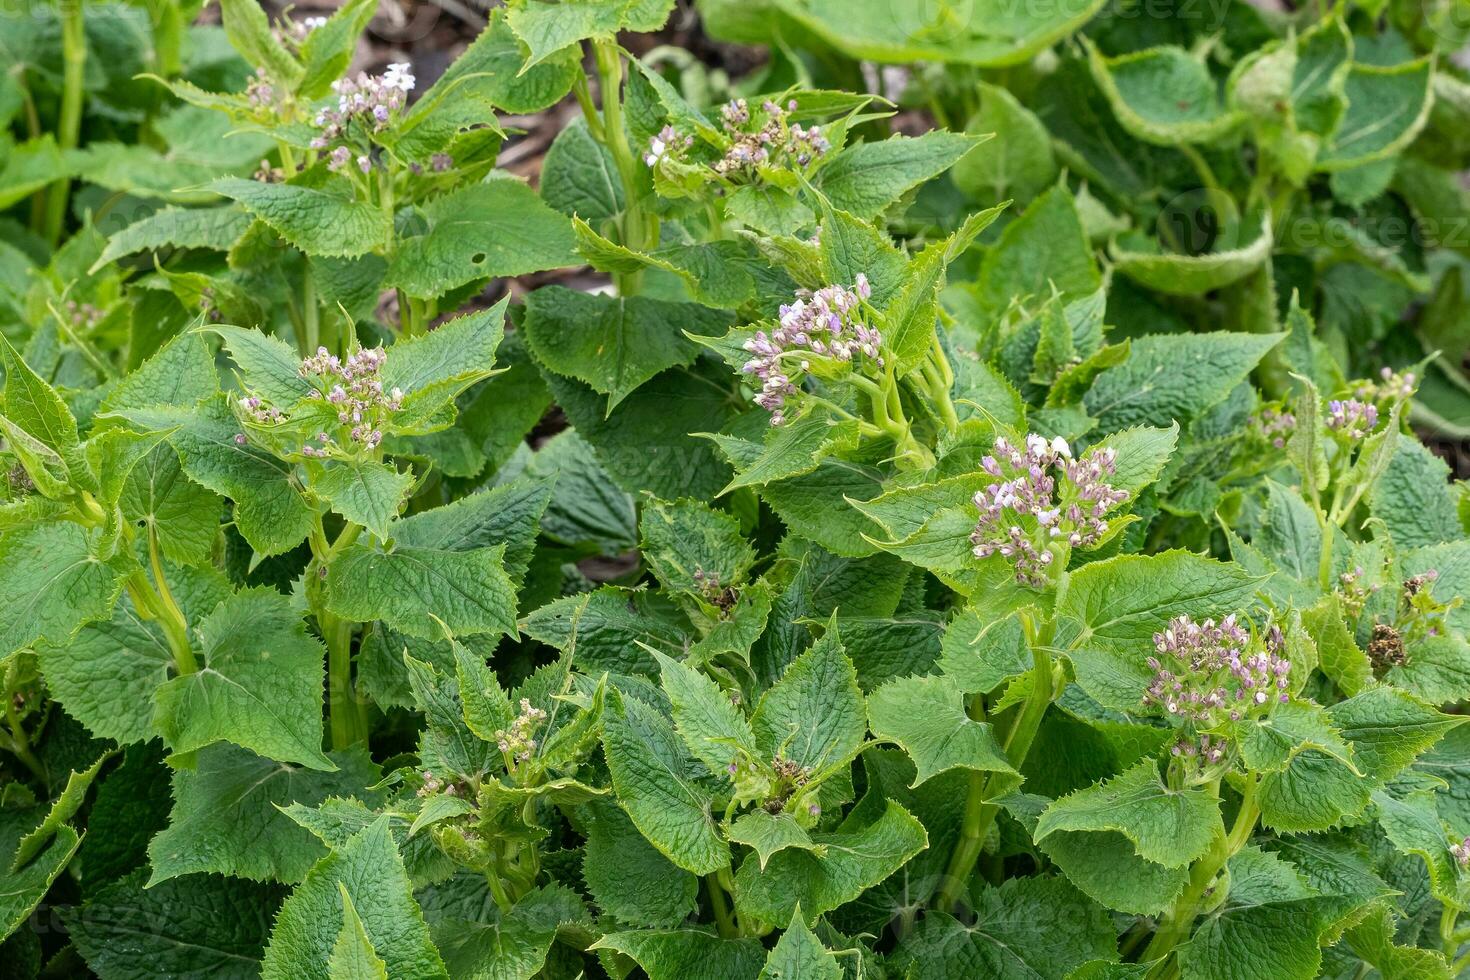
(400, 76)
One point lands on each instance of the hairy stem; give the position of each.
(979, 812)
(1178, 922)
(615, 138)
(720, 907)
(19, 744)
(345, 716)
(170, 616)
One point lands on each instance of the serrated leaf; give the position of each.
(259, 684)
(926, 717)
(365, 492)
(813, 716)
(369, 870)
(422, 591)
(52, 582)
(319, 222)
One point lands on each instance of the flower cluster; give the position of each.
(260, 92)
(666, 143)
(354, 389)
(776, 141)
(293, 33)
(1042, 497)
(1351, 593)
(766, 137)
(1391, 386)
(517, 741)
(826, 324)
(790, 777)
(1206, 672)
(1461, 853)
(1275, 426)
(81, 316)
(369, 100)
(1351, 417)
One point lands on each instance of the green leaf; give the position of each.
(1315, 791)
(491, 69)
(768, 833)
(984, 35)
(852, 862)
(434, 368)
(1389, 729)
(196, 926)
(212, 228)
(227, 816)
(447, 744)
(1017, 163)
(652, 773)
(62, 809)
(813, 716)
(483, 231)
(1174, 377)
(328, 48)
(1168, 827)
(1338, 654)
(365, 492)
(1163, 95)
(611, 343)
(180, 374)
(369, 870)
(1118, 604)
(690, 546)
(673, 954)
(270, 512)
(799, 954)
(269, 366)
(1025, 929)
(1386, 109)
(52, 582)
(1437, 669)
(1413, 825)
(864, 179)
(34, 405)
(609, 629)
(259, 685)
(505, 515)
(794, 449)
(1195, 275)
(107, 675)
(547, 28)
(926, 717)
(579, 177)
(23, 890)
(629, 878)
(980, 652)
(353, 954)
(513, 945)
(422, 591)
(1043, 250)
(249, 31)
(1269, 745)
(715, 731)
(1412, 497)
(319, 222)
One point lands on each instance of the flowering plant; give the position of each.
(920, 499)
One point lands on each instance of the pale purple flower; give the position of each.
(1351, 417)
(1206, 672)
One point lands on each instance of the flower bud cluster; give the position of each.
(827, 324)
(1351, 593)
(1351, 417)
(764, 137)
(354, 388)
(1275, 426)
(1042, 497)
(667, 143)
(1391, 387)
(777, 141)
(81, 316)
(371, 101)
(293, 33)
(1207, 750)
(517, 741)
(1206, 672)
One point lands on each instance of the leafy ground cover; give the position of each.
(907, 490)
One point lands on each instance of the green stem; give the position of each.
(720, 907)
(979, 812)
(615, 137)
(19, 745)
(346, 719)
(311, 317)
(69, 129)
(1447, 938)
(1179, 920)
(170, 616)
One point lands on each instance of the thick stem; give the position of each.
(19, 743)
(615, 138)
(720, 907)
(69, 129)
(979, 812)
(345, 717)
(1179, 920)
(1449, 942)
(170, 616)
